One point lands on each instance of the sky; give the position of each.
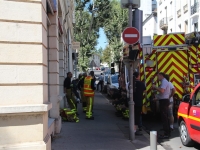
(102, 41)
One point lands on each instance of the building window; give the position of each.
(179, 28)
(166, 11)
(194, 7)
(196, 27)
(170, 11)
(186, 26)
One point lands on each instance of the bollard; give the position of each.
(153, 140)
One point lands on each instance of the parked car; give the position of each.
(112, 85)
(105, 79)
(189, 118)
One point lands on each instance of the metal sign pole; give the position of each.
(131, 102)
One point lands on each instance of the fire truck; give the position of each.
(175, 54)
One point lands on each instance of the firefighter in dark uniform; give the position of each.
(68, 86)
(80, 87)
(89, 88)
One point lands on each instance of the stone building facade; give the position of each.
(35, 54)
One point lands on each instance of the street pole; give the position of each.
(131, 102)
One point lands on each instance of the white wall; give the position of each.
(146, 6)
(150, 26)
(177, 23)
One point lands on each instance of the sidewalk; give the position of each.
(105, 132)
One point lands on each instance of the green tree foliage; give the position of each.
(106, 55)
(117, 23)
(89, 18)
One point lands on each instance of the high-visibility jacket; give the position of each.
(88, 91)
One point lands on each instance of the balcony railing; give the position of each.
(179, 13)
(164, 23)
(185, 8)
(195, 8)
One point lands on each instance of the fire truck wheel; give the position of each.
(184, 135)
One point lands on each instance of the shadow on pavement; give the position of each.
(152, 123)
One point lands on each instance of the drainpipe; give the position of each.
(48, 59)
(68, 57)
(64, 31)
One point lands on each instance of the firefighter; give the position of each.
(94, 79)
(163, 97)
(68, 86)
(80, 87)
(89, 88)
(138, 100)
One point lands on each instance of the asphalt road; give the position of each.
(174, 143)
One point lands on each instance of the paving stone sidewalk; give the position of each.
(105, 132)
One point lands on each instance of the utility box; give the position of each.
(146, 40)
(135, 3)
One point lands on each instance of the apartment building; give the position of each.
(35, 55)
(147, 6)
(150, 25)
(178, 16)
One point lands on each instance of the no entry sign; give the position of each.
(130, 35)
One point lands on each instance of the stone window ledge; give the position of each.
(27, 146)
(34, 108)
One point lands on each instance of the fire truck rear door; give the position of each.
(175, 64)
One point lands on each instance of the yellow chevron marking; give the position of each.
(182, 53)
(171, 43)
(165, 58)
(181, 36)
(182, 67)
(148, 95)
(168, 38)
(174, 76)
(172, 68)
(193, 54)
(148, 86)
(178, 41)
(168, 62)
(142, 69)
(159, 40)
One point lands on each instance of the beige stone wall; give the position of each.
(33, 65)
(54, 94)
(23, 75)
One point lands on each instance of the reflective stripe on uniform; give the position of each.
(89, 111)
(73, 105)
(88, 91)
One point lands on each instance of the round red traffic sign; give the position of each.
(130, 35)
